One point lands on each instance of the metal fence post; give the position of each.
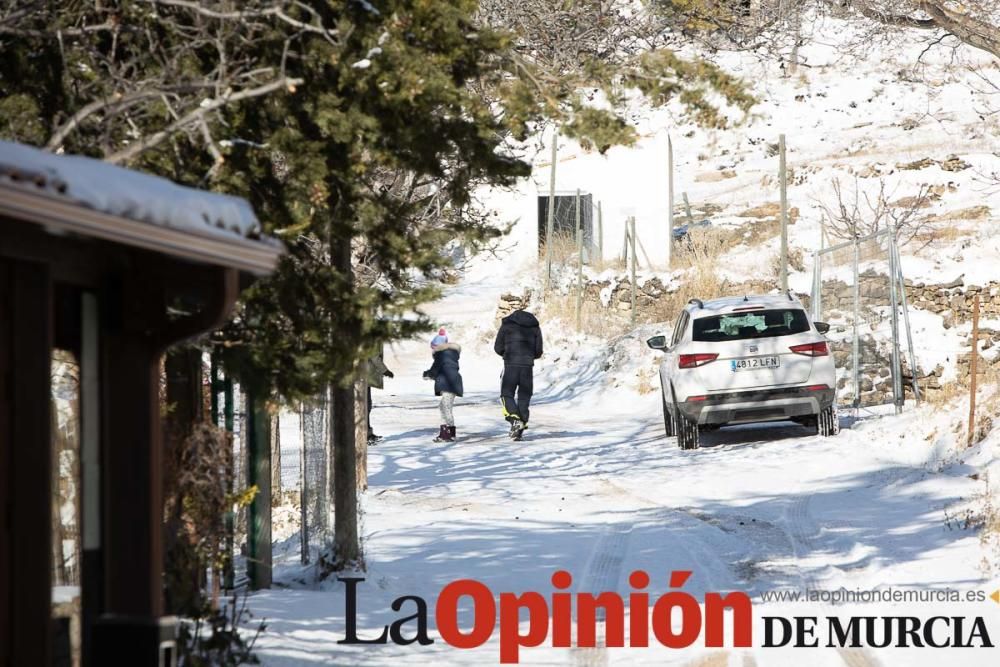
(818, 273)
(855, 345)
(783, 178)
(229, 423)
(632, 240)
(906, 323)
(897, 370)
(552, 209)
(817, 286)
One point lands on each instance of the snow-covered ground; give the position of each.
(595, 489)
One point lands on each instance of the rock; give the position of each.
(954, 163)
(870, 171)
(957, 282)
(917, 164)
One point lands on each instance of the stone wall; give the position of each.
(952, 300)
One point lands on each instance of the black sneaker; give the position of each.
(516, 430)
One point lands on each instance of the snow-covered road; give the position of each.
(596, 490)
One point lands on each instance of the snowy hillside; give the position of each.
(893, 501)
(855, 118)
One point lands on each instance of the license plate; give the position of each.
(754, 363)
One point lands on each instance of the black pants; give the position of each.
(516, 380)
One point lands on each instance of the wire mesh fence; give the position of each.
(314, 478)
(858, 290)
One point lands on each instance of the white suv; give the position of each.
(745, 359)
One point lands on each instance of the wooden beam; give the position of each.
(25, 584)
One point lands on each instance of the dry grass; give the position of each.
(595, 319)
(563, 249)
(647, 383)
(566, 253)
(938, 234)
(699, 253)
(990, 531)
(945, 395)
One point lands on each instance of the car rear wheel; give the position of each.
(827, 423)
(668, 417)
(687, 432)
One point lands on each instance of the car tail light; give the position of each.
(697, 398)
(817, 387)
(693, 360)
(811, 349)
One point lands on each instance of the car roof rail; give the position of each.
(789, 293)
(696, 302)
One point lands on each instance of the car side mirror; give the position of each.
(822, 327)
(657, 342)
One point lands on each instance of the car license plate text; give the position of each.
(754, 363)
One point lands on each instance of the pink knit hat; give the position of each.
(441, 338)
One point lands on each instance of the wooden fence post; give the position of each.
(972, 370)
(632, 242)
(600, 234)
(783, 177)
(552, 208)
(670, 199)
(579, 279)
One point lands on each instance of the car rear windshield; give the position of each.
(751, 324)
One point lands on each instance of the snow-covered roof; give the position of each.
(127, 193)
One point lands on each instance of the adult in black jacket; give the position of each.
(519, 342)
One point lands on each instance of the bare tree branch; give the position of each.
(197, 115)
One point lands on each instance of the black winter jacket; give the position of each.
(519, 340)
(444, 370)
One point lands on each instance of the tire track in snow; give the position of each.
(803, 531)
(602, 573)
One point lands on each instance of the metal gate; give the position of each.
(858, 289)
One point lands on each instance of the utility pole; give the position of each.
(783, 178)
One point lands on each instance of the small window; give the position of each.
(756, 324)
